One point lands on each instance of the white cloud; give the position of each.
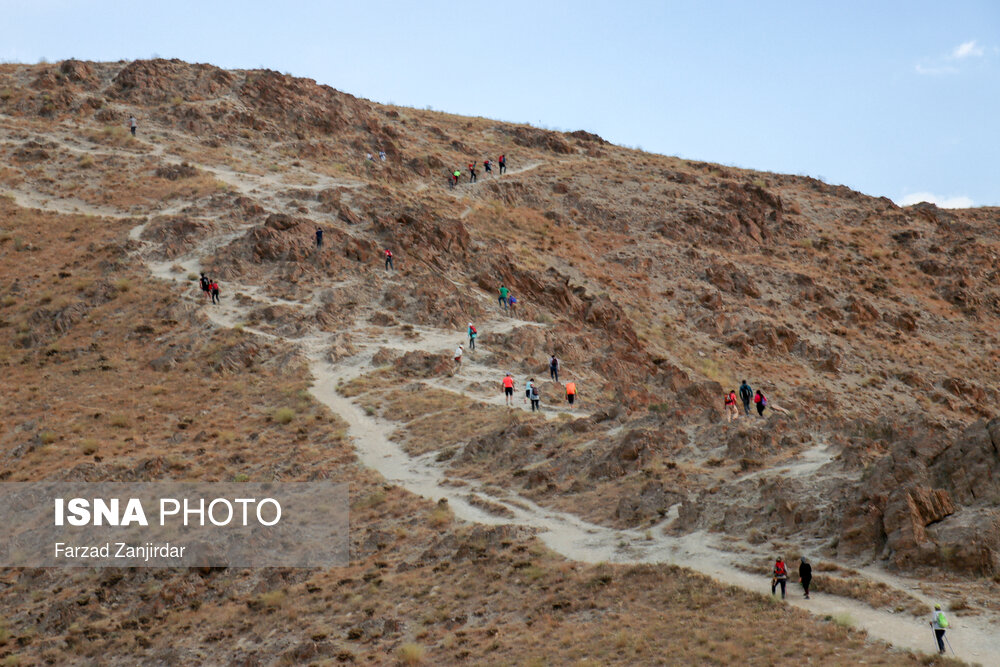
(935, 69)
(937, 200)
(967, 50)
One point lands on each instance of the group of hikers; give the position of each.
(210, 288)
(779, 578)
(746, 395)
(386, 252)
(456, 175)
(531, 390)
(506, 300)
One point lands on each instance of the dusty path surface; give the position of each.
(975, 639)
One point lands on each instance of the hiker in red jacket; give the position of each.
(388, 260)
(503, 164)
(487, 166)
(214, 287)
(780, 576)
(761, 400)
(732, 412)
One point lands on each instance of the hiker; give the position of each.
(535, 398)
(457, 174)
(527, 389)
(554, 368)
(511, 302)
(381, 155)
(940, 623)
(508, 389)
(458, 359)
(780, 576)
(319, 238)
(472, 172)
(388, 260)
(215, 291)
(503, 164)
(206, 285)
(487, 166)
(132, 124)
(746, 393)
(570, 392)
(805, 575)
(502, 299)
(370, 158)
(472, 336)
(452, 181)
(732, 412)
(761, 400)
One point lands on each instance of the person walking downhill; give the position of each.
(206, 286)
(319, 238)
(388, 260)
(780, 576)
(746, 394)
(472, 336)
(732, 412)
(535, 398)
(570, 392)
(458, 359)
(132, 124)
(502, 299)
(940, 623)
(527, 389)
(761, 400)
(503, 164)
(508, 389)
(215, 292)
(805, 575)
(554, 368)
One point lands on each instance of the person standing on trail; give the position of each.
(746, 393)
(458, 358)
(473, 334)
(487, 167)
(780, 577)
(508, 389)
(535, 398)
(570, 392)
(388, 260)
(940, 623)
(472, 172)
(761, 400)
(319, 238)
(732, 412)
(206, 285)
(215, 292)
(805, 575)
(554, 368)
(527, 389)
(511, 302)
(503, 164)
(132, 124)
(502, 299)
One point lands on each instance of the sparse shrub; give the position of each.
(411, 654)
(269, 600)
(86, 162)
(441, 516)
(119, 421)
(192, 276)
(88, 446)
(844, 620)
(371, 500)
(283, 415)
(958, 604)
(242, 477)
(47, 437)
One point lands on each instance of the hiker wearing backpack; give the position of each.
(511, 302)
(805, 575)
(527, 389)
(487, 167)
(457, 174)
(761, 400)
(570, 392)
(554, 368)
(388, 260)
(503, 164)
(732, 412)
(940, 623)
(502, 299)
(472, 336)
(508, 389)
(206, 285)
(779, 576)
(472, 172)
(215, 291)
(746, 393)
(535, 398)
(319, 238)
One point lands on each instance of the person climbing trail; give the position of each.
(761, 400)
(472, 172)
(805, 575)
(535, 399)
(502, 299)
(215, 291)
(473, 334)
(732, 412)
(511, 302)
(388, 260)
(452, 182)
(527, 389)
(457, 174)
(780, 576)
(503, 164)
(206, 286)
(132, 124)
(508, 389)
(487, 167)
(940, 623)
(570, 392)
(554, 368)
(458, 359)
(381, 155)
(319, 238)
(746, 393)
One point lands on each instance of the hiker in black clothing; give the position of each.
(452, 181)
(472, 173)
(319, 238)
(746, 393)
(805, 575)
(205, 283)
(487, 167)
(132, 124)
(535, 398)
(388, 260)
(554, 368)
(503, 164)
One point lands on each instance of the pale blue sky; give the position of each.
(891, 98)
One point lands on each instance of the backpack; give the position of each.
(473, 330)
(534, 393)
(763, 400)
(942, 619)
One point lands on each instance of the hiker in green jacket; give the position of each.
(503, 297)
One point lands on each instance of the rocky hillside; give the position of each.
(660, 284)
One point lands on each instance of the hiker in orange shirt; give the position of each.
(508, 389)
(571, 392)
